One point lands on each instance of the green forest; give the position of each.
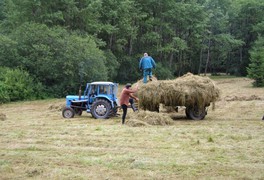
(49, 47)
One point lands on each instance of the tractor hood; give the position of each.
(74, 97)
(71, 98)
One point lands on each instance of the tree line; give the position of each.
(60, 44)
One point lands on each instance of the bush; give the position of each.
(16, 85)
(64, 59)
(4, 96)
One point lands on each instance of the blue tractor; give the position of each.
(99, 99)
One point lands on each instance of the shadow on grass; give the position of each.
(179, 118)
(183, 118)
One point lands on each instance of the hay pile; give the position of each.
(56, 107)
(188, 90)
(147, 118)
(2, 117)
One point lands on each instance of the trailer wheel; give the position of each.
(68, 112)
(101, 109)
(187, 113)
(195, 113)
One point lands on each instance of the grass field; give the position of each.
(37, 143)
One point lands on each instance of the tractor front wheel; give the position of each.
(101, 109)
(68, 112)
(195, 113)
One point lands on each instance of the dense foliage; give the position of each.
(16, 84)
(62, 44)
(256, 66)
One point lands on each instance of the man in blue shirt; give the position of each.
(146, 64)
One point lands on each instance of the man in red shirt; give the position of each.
(127, 97)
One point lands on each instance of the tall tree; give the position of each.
(249, 15)
(256, 66)
(219, 40)
(2, 15)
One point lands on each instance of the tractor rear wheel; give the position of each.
(195, 113)
(68, 112)
(113, 111)
(101, 109)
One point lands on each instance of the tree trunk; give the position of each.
(200, 63)
(171, 58)
(208, 57)
(228, 62)
(110, 41)
(130, 46)
(179, 63)
(241, 55)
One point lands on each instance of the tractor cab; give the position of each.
(102, 90)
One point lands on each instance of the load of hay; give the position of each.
(188, 90)
(147, 118)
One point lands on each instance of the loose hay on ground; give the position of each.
(57, 107)
(2, 117)
(146, 118)
(136, 123)
(242, 98)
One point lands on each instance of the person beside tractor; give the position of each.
(146, 64)
(127, 97)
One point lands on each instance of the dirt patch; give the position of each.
(2, 117)
(147, 118)
(242, 98)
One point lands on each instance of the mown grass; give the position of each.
(36, 142)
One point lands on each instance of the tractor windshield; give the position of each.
(103, 89)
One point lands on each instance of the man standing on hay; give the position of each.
(146, 64)
(127, 97)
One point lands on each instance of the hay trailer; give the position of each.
(193, 92)
(99, 99)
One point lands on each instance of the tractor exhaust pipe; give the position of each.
(80, 92)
